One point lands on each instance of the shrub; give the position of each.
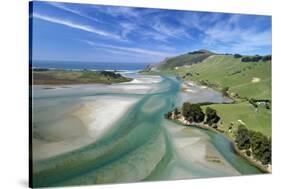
(224, 91)
(253, 102)
(168, 115)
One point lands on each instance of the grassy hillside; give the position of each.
(185, 59)
(53, 77)
(247, 79)
(233, 115)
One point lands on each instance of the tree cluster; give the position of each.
(198, 52)
(111, 74)
(256, 58)
(193, 112)
(255, 143)
(40, 69)
(266, 58)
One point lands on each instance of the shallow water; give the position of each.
(206, 94)
(142, 145)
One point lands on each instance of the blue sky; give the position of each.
(83, 32)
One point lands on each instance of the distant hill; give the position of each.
(182, 60)
(44, 76)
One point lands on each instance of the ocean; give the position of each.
(89, 65)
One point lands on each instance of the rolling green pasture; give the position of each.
(244, 113)
(247, 79)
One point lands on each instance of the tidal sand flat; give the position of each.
(199, 93)
(84, 125)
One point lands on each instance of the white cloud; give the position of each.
(231, 36)
(170, 31)
(74, 11)
(159, 29)
(75, 25)
(120, 11)
(130, 49)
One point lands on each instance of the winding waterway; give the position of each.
(140, 145)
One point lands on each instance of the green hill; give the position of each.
(183, 60)
(236, 114)
(245, 79)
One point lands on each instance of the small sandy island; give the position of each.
(141, 85)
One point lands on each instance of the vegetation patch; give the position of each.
(57, 77)
(255, 143)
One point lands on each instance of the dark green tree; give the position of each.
(261, 147)
(192, 112)
(266, 58)
(237, 56)
(243, 139)
(212, 117)
(246, 59)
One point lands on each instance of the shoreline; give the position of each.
(233, 99)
